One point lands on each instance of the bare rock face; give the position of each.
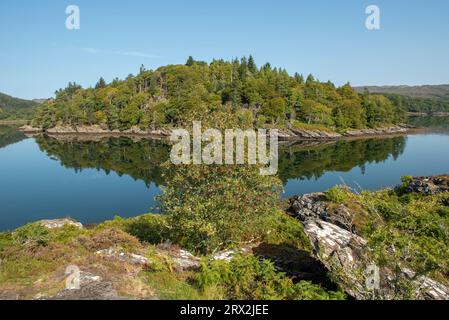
(59, 223)
(428, 185)
(91, 287)
(303, 134)
(131, 258)
(29, 129)
(377, 131)
(343, 252)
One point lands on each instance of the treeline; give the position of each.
(13, 108)
(222, 93)
(418, 104)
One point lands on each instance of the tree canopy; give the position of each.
(236, 93)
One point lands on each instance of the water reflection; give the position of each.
(142, 159)
(10, 135)
(311, 161)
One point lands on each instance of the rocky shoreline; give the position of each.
(338, 256)
(290, 134)
(338, 244)
(94, 130)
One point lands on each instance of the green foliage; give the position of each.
(32, 233)
(411, 231)
(16, 109)
(174, 95)
(418, 104)
(247, 278)
(212, 207)
(149, 228)
(285, 230)
(337, 194)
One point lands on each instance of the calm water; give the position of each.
(92, 181)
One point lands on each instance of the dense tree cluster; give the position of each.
(221, 93)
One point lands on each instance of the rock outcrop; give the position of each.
(94, 130)
(131, 258)
(30, 129)
(342, 250)
(428, 185)
(304, 134)
(59, 223)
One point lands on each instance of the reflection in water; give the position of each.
(430, 122)
(9, 135)
(142, 159)
(93, 181)
(308, 161)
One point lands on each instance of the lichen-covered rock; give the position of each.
(59, 223)
(428, 185)
(131, 258)
(344, 253)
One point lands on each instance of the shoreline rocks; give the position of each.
(301, 134)
(290, 134)
(94, 130)
(428, 185)
(337, 244)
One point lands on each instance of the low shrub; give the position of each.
(337, 194)
(247, 278)
(213, 207)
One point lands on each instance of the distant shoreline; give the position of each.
(13, 122)
(431, 114)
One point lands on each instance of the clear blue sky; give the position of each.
(327, 38)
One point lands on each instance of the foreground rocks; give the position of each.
(337, 244)
(428, 185)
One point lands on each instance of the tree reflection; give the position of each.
(10, 135)
(142, 159)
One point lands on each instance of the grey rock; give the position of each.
(59, 223)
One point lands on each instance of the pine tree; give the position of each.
(100, 84)
(190, 61)
(299, 78)
(252, 65)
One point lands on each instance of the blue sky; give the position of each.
(327, 38)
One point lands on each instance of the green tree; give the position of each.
(100, 84)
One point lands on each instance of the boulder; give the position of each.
(343, 252)
(131, 258)
(428, 185)
(59, 223)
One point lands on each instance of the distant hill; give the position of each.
(429, 99)
(426, 91)
(14, 108)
